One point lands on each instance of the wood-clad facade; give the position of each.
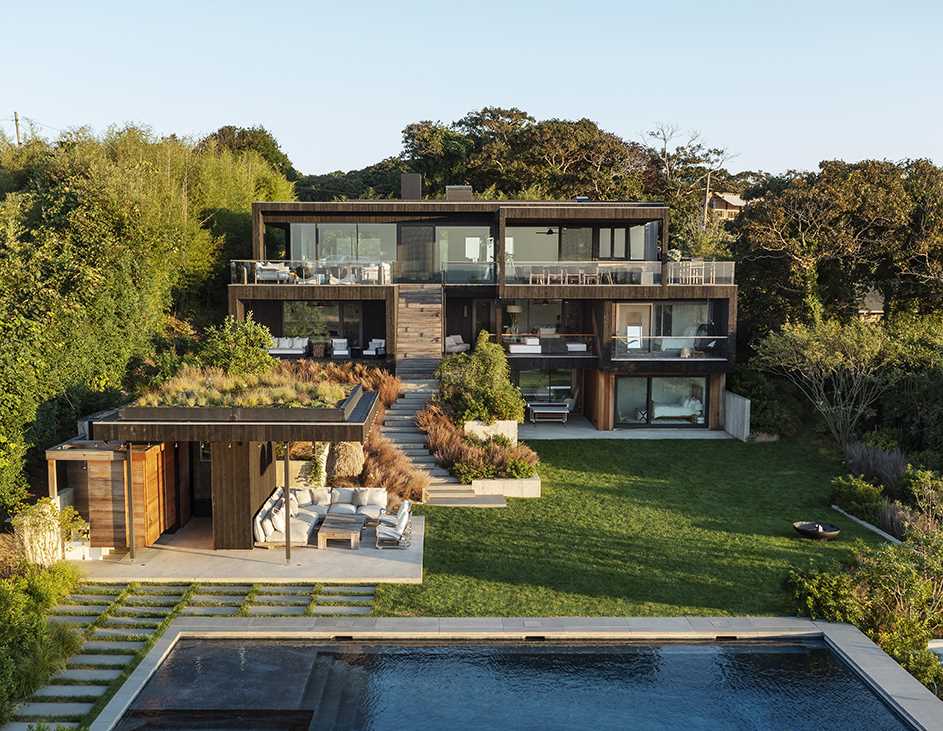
(481, 302)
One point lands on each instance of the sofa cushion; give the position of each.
(257, 531)
(267, 528)
(371, 511)
(318, 511)
(321, 497)
(342, 509)
(278, 516)
(361, 497)
(376, 496)
(343, 495)
(302, 495)
(299, 343)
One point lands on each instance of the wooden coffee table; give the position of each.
(341, 528)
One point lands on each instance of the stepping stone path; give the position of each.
(117, 621)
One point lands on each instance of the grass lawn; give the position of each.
(634, 528)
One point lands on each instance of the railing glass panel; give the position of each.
(583, 272)
(549, 344)
(699, 272)
(659, 347)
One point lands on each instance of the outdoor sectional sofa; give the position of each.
(308, 508)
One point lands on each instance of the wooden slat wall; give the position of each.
(184, 484)
(242, 480)
(600, 399)
(105, 510)
(715, 413)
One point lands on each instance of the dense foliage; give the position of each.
(32, 649)
(258, 139)
(477, 386)
(102, 239)
(237, 347)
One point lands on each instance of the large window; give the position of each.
(376, 242)
(466, 253)
(323, 320)
(541, 316)
(304, 241)
(528, 243)
(335, 243)
(576, 244)
(548, 385)
(661, 401)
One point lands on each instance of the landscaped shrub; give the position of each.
(469, 458)
(371, 378)
(885, 439)
(237, 347)
(31, 648)
(386, 466)
(478, 387)
(878, 465)
(345, 460)
(774, 406)
(858, 496)
(41, 530)
(826, 595)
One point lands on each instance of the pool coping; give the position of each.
(902, 692)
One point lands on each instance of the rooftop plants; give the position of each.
(282, 386)
(238, 347)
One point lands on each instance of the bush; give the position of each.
(906, 641)
(878, 465)
(774, 407)
(884, 439)
(825, 595)
(386, 466)
(32, 649)
(858, 496)
(469, 458)
(345, 460)
(478, 387)
(383, 382)
(237, 347)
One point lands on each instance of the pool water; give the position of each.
(274, 684)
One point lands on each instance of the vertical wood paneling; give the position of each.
(242, 479)
(715, 409)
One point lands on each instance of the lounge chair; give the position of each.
(455, 344)
(375, 348)
(398, 535)
(340, 348)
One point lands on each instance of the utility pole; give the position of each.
(16, 123)
(707, 198)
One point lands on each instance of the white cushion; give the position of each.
(371, 511)
(343, 495)
(321, 497)
(257, 528)
(402, 520)
(342, 509)
(267, 528)
(376, 496)
(278, 516)
(385, 531)
(302, 495)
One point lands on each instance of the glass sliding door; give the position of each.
(416, 255)
(633, 328)
(466, 253)
(336, 242)
(661, 401)
(631, 400)
(576, 244)
(303, 239)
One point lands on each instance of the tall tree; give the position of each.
(259, 139)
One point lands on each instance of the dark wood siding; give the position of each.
(243, 476)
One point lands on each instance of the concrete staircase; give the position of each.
(399, 426)
(337, 691)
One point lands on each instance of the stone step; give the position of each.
(100, 661)
(300, 599)
(120, 633)
(128, 611)
(415, 451)
(399, 418)
(457, 490)
(112, 645)
(348, 589)
(284, 589)
(103, 587)
(70, 691)
(421, 459)
(92, 599)
(433, 470)
(79, 620)
(94, 610)
(439, 480)
(235, 599)
(346, 598)
(262, 610)
(209, 611)
(162, 589)
(81, 675)
(479, 501)
(341, 610)
(53, 710)
(115, 621)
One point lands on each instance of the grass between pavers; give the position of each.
(102, 700)
(634, 528)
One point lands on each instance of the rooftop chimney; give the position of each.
(459, 193)
(410, 186)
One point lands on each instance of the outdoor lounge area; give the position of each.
(189, 556)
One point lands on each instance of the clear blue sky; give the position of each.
(781, 84)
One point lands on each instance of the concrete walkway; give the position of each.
(579, 427)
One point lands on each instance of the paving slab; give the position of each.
(224, 588)
(286, 589)
(209, 611)
(86, 658)
(347, 589)
(121, 633)
(107, 645)
(264, 610)
(162, 588)
(217, 599)
(71, 691)
(84, 675)
(285, 599)
(93, 610)
(78, 619)
(346, 598)
(139, 610)
(30, 710)
(152, 600)
(341, 610)
(114, 621)
(92, 599)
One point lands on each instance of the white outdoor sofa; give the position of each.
(289, 347)
(455, 344)
(308, 508)
(530, 346)
(272, 272)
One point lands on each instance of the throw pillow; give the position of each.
(321, 497)
(278, 517)
(361, 497)
(267, 527)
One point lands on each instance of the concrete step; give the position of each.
(235, 599)
(450, 491)
(78, 609)
(151, 600)
(162, 589)
(120, 633)
(100, 661)
(479, 501)
(115, 621)
(437, 480)
(345, 599)
(422, 459)
(300, 599)
(393, 419)
(127, 611)
(102, 600)
(73, 619)
(70, 691)
(82, 675)
(285, 589)
(433, 469)
(53, 710)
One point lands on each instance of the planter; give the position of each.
(228, 414)
(318, 350)
(482, 430)
(527, 487)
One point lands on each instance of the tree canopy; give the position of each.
(258, 139)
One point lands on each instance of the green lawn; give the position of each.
(633, 528)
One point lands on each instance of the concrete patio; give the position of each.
(579, 427)
(188, 556)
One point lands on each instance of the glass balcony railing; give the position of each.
(583, 272)
(662, 347)
(699, 272)
(339, 272)
(542, 343)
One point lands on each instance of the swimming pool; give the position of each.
(269, 684)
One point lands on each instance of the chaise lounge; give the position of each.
(396, 531)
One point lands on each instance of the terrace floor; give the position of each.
(188, 556)
(579, 427)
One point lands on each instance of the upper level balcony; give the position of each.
(606, 272)
(346, 272)
(639, 347)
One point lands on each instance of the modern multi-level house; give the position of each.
(583, 295)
